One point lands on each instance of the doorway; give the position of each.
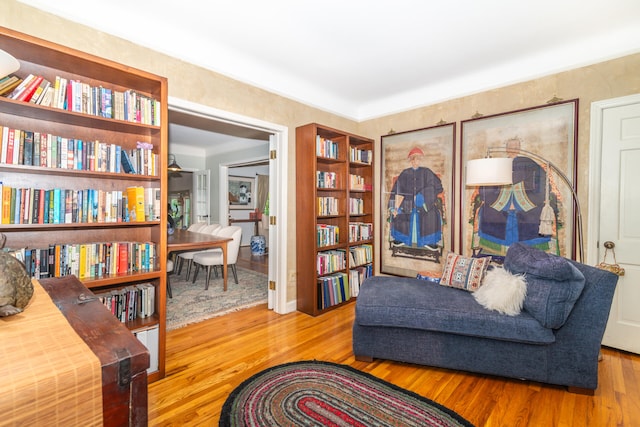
(614, 209)
(277, 140)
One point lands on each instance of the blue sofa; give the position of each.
(555, 339)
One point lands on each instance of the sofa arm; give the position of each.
(578, 341)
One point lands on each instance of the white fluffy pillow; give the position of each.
(502, 291)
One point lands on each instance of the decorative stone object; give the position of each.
(16, 288)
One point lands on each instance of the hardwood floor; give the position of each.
(259, 263)
(207, 360)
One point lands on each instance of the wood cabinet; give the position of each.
(145, 125)
(334, 216)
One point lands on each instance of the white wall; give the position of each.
(248, 229)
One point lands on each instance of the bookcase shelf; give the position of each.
(49, 60)
(327, 273)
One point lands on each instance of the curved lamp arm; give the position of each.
(563, 177)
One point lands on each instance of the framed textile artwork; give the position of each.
(241, 190)
(416, 200)
(494, 217)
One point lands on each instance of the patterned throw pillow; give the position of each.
(464, 272)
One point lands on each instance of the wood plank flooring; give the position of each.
(207, 360)
(259, 263)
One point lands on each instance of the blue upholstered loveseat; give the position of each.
(555, 339)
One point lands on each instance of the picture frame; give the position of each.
(241, 189)
(417, 225)
(493, 218)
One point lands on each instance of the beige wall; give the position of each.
(186, 81)
(592, 83)
(192, 83)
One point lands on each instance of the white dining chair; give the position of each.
(211, 259)
(188, 256)
(170, 266)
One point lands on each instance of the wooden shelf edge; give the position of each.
(123, 279)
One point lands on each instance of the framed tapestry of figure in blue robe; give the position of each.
(494, 217)
(417, 200)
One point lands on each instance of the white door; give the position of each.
(200, 204)
(272, 302)
(619, 220)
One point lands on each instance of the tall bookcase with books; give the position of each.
(84, 180)
(334, 216)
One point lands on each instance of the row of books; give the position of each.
(360, 231)
(360, 255)
(8, 84)
(357, 276)
(327, 235)
(326, 179)
(81, 97)
(131, 302)
(31, 148)
(330, 261)
(64, 206)
(326, 148)
(339, 287)
(333, 290)
(327, 206)
(88, 260)
(356, 206)
(356, 182)
(360, 156)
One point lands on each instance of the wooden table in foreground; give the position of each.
(183, 240)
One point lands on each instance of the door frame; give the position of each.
(279, 173)
(595, 159)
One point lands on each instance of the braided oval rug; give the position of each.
(314, 393)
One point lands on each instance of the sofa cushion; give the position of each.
(403, 302)
(554, 284)
(464, 272)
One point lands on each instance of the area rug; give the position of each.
(313, 393)
(191, 303)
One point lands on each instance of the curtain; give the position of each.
(262, 184)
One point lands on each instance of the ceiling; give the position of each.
(363, 59)
(197, 135)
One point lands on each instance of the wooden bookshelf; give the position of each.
(49, 60)
(334, 218)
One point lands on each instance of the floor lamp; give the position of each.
(494, 171)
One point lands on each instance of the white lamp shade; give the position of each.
(490, 171)
(8, 64)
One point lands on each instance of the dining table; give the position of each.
(184, 240)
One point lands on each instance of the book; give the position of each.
(135, 199)
(18, 147)
(18, 90)
(28, 148)
(17, 204)
(39, 92)
(36, 149)
(56, 206)
(8, 84)
(29, 90)
(127, 166)
(157, 193)
(47, 97)
(10, 145)
(123, 257)
(7, 80)
(5, 141)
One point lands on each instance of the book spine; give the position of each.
(29, 90)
